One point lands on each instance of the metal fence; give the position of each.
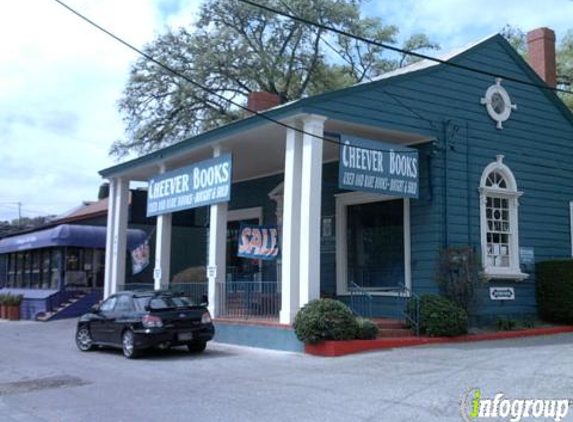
(249, 300)
(244, 300)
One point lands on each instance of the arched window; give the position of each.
(499, 222)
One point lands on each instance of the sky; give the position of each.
(60, 79)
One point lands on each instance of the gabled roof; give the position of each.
(303, 105)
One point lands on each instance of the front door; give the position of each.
(375, 245)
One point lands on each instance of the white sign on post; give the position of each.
(501, 293)
(211, 271)
(157, 274)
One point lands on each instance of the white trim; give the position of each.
(354, 198)
(513, 271)
(246, 214)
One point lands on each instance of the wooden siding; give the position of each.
(536, 141)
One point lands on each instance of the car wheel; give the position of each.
(84, 339)
(197, 347)
(128, 345)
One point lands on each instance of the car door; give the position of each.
(99, 325)
(123, 316)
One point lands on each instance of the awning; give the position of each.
(67, 235)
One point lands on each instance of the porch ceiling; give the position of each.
(261, 151)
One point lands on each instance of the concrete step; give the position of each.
(394, 332)
(46, 316)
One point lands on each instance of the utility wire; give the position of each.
(262, 115)
(399, 50)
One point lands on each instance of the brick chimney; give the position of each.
(541, 51)
(262, 100)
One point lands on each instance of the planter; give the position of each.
(341, 348)
(13, 312)
(3, 313)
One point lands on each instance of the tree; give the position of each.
(564, 57)
(235, 49)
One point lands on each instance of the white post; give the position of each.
(109, 237)
(311, 198)
(121, 204)
(217, 263)
(291, 227)
(162, 270)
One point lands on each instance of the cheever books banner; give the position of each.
(258, 242)
(377, 167)
(204, 183)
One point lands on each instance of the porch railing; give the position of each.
(249, 300)
(360, 300)
(196, 291)
(406, 304)
(244, 300)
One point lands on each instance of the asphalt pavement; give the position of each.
(44, 378)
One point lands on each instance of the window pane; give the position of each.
(375, 243)
(55, 268)
(498, 232)
(35, 267)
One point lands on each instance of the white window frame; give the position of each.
(355, 198)
(513, 271)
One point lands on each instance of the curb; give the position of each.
(341, 348)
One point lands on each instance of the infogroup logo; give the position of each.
(475, 406)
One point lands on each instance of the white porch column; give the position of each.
(119, 248)
(162, 269)
(217, 252)
(311, 198)
(109, 237)
(291, 227)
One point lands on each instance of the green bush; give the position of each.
(554, 281)
(441, 317)
(3, 298)
(506, 324)
(325, 319)
(12, 300)
(367, 329)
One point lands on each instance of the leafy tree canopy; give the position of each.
(235, 49)
(564, 56)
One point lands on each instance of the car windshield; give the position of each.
(163, 302)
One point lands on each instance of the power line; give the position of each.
(203, 87)
(397, 49)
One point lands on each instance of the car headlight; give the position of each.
(206, 318)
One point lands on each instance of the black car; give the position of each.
(135, 321)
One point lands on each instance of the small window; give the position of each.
(109, 304)
(124, 304)
(499, 222)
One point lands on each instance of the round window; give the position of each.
(497, 103)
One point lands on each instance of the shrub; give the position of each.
(441, 317)
(367, 329)
(506, 324)
(457, 276)
(554, 281)
(325, 319)
(12, 300)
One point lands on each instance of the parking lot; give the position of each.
(43, 377)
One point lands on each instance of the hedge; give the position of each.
(554, 282)
(441, 317)
(325, 319)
